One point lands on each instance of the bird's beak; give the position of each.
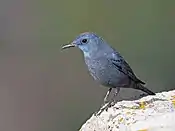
(68, 46)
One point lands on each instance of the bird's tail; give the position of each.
(144, 89)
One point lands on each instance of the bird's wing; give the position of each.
(123, 66)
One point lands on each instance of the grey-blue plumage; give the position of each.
(105, 64)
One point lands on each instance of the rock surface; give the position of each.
(150, 113)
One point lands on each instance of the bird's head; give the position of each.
(87, 42)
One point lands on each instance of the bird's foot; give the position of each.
(105, 106)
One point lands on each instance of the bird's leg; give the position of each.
(112, 101)
(107, 94)
(105, 101)
(117, 90)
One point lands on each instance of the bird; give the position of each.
(106, 65)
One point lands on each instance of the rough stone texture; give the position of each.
(150, 113)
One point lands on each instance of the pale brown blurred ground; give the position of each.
(43, 88)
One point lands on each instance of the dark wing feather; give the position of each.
(123, 66)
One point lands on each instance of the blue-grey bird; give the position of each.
(106, 65)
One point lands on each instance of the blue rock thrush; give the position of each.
(106, 65)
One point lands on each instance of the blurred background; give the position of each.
(43, 88)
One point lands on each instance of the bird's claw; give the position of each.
(105, 107)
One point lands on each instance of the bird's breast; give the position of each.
(105, 73)
(96, 67)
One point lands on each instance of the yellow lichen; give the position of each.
(120, 120)
(143, 130)
(173, 101)
(142, 105)
(173, 97)
(128, 113)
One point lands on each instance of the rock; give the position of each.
(150, 113)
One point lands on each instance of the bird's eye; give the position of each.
(84, 41)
